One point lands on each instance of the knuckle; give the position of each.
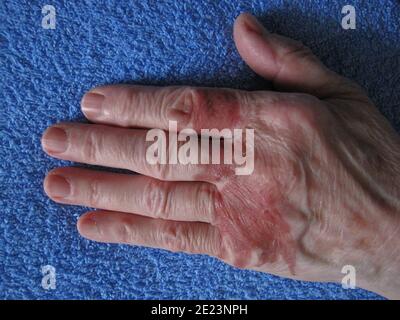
(191, 98)
(158, 198)
(94, 194)
(207, 195)
(130, 98)
(246, 259)
(176, 237)
(212, 243)
(127, 103)
(206, 107)
(161, 171)
(92, 146)
(184, 102)
(125, 233)
(298, 50)
(225, 250)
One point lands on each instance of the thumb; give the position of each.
(287, 63)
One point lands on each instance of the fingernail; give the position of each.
(252, 25)
(57, 186)
(92, 104)
(55, 140)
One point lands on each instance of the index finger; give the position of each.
(155, 107)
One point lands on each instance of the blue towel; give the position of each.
(45, 72)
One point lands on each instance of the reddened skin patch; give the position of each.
(250, 218)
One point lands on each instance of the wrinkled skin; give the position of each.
(324, 192)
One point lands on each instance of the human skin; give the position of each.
(324, 191)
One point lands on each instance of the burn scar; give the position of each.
(250, 218)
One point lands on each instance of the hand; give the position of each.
(323, 194)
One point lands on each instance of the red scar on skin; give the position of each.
(250, 220)
(247, 212)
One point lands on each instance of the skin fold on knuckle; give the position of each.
(178, 104)
(158, 198)
(123, 232)
(161, 171)
(94, 194)
(93, 141)
(204, 108)
(128, 102)
(206, 194)
(136, 98)
(176, 237)
(289, 54)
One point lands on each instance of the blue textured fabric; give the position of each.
(44, 74)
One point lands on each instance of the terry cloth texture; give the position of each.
(45, 72)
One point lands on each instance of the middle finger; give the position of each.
(115, 147)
